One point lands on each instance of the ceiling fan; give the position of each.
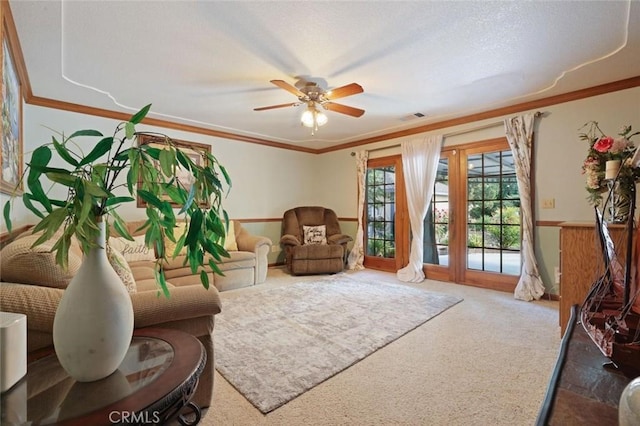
(313, 96)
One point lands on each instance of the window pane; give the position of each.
(436, 228)
(493, 218)
(380, 212)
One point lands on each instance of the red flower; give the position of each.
(603, 144)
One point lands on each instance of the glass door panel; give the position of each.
(492, 255)
(436, 221)
(384, 245)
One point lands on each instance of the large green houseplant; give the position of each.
(93, 177)
(94, 320)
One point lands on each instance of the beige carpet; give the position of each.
(486, 362)
(278, 343)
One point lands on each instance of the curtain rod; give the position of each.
(448, 135)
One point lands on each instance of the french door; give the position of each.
(386, 224)
(472, 228)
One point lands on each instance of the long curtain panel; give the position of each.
(356, 256)
(419, 164)
(519, 132)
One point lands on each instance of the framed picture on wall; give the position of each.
(184, 178)
(11, 125)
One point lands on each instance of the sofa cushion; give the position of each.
(170, 246)
(237, 260)
(133, 251)
(20, 263)
(230, 243)
(314, 252)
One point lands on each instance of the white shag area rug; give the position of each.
(276, 344)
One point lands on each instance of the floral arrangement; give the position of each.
(603, 148)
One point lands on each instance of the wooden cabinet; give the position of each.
(581, 262)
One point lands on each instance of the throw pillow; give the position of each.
(315, 234)
(20, 263)
(170, 246)
(133, 251)
(230, 243)
(120, 265)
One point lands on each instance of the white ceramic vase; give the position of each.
(93, 324)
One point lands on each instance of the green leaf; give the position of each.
(39, 160)
(63, 152)
(215, 268)
(85, 208)
(179, 245)
(98, 151)
(6, 212)
(194, 229)
(95, 190)
(151, 152)
(176, 194)
(26, 200)
(123, 155)
(150, 198)
(167, 162)
(115, 200)
(85, 133)
(120, 226)
(129, 130)
(160, 278)
(204, 278)
(51, 223)
(184, 160)
(189, 201)
(134, 169)
(61, 247)
(66, 179)
(40, 157)
(140, 115)
(225, 174)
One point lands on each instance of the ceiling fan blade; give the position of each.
(277, 106)
(288, 87)
(341, 92)
(343, 109)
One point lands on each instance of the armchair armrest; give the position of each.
(339, 239)
(289, 240)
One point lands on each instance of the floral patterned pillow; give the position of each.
(315, 234)
(120, 265)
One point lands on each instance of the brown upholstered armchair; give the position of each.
(320, 252)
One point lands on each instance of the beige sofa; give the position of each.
(32, 284)
(245, 267)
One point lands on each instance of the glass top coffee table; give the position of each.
(154, 385)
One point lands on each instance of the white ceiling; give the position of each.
(209, 63)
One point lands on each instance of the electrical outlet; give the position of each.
(556, 275)
(275, 249)
(549, 203)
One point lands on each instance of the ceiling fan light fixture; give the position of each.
(313, 118)
(307, 118)
(321, 118)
